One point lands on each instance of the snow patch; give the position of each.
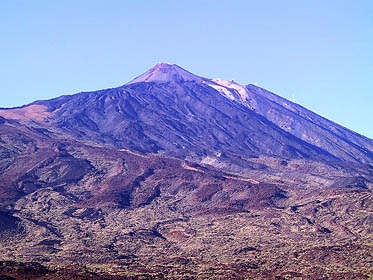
(241, 90)
(234, 91)
(226, 92)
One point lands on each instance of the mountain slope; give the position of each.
(170, 111)
(175, 176)
(88, 210)
(176, 119)
(300, 122)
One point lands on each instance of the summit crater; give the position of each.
(166, 72)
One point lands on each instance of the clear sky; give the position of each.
(318, 53)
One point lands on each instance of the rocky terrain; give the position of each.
(174, 176)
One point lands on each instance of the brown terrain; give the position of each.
(112, 193)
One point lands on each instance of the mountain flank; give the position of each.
(176, 176)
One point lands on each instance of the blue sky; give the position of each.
(319, 53)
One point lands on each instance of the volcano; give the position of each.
(173, 175)
(170, 111)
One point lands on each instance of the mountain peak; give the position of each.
(166, 72)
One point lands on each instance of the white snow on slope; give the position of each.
(234, 91)
(226, 87)
(222, 90)
(241, 90)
